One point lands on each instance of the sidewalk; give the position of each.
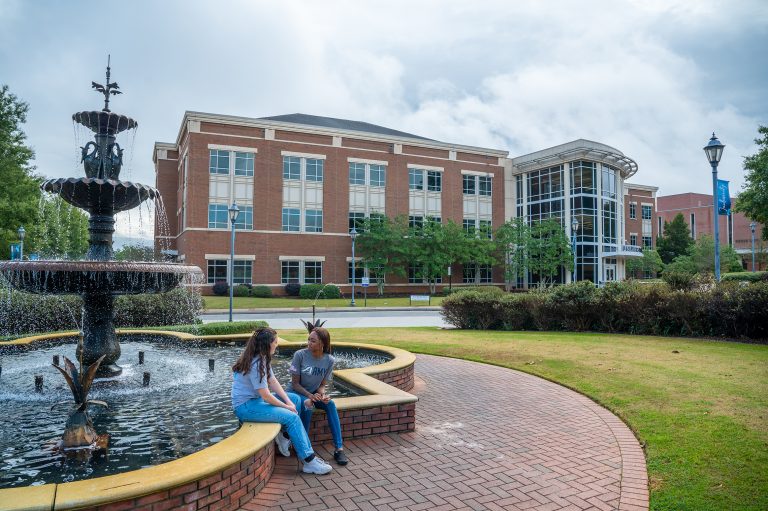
(351, 310)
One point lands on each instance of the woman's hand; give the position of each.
(321, 396)
(290, 406)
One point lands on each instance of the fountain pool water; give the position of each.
(185, 408)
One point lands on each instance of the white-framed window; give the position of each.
(314, 170)
(301, 272)
(633, 240)
(244, 218)
(434, 181)
(484, 186)
(359, 272)
(632, 210)
(291, 272)
(217, 270)
(646, 212)
(356, 173)
(469, 225)
(313, 272)
(218, 216)
(313, 220)
(415, 179)
(378, 175)
(469, 184)
(485, 228)
(291, 219)
(414, 275)
(415, 222)
(291, 167)
(647, 242)
(218, 162)
(243, 164)
(477, 274)
(243, 271)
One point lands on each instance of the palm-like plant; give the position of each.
(79, 431)
(311, 325)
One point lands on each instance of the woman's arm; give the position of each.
(296, 380)
(278, 389)
(320, 395)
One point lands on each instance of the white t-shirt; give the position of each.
(246, 386)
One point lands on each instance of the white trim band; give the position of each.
(302, 258)
(370, 162)
(475, 173)
(425, 167)
(303, 155)
(226, 256)
(233, 148)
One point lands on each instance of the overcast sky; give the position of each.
(652, 78)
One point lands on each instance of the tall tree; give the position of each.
(382, 245)
(61, 230)
(548, 250)
(753, 199)
(19, 192)
(512, 240)
(650, 262)
(427, 251)
(702, 254)
(676, 240)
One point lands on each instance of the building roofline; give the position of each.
(637, 186)
(320, 130)
(580, 148)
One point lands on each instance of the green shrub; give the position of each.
(292, 289)
(757, 276)
(679, 280)
(261, 291)
(515, 311)
(573, 306)
(177, 307)
(317, 291)
(220, 288)
(241, 290)
(472, 310)
(480, 289)
(216, 328)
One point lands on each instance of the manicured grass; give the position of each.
(700, 407)
(222, 302)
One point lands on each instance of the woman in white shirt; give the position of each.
(252, 401)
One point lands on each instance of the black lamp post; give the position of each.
(234, 211)
(353, 235)
(714, 150)
(752, 227)
(574, 230)
(21, 232)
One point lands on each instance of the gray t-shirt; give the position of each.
(246, 386)
(312, 370)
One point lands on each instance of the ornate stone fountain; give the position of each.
(98, 279)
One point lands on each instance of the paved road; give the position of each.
(487, 438)
(338, 318)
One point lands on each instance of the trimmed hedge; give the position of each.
(261, 291)
(25, 313)
(241, 290)
(292, 289)
(728, 310)
(216, 328)
(220, 288)
(312, 291)
(746, 276)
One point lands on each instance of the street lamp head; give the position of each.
(714, 150)
(752, 227)
(353, 234)
(21, 232)
(234, 212)
(574, 224)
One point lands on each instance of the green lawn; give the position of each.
(699, 407)
(222, 302)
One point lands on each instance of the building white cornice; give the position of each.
(578, 149)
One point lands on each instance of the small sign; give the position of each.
(421, 298)
(366, 281)
(15, 251)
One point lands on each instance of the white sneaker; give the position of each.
(322, 460)
(283, 444)
(316, 466)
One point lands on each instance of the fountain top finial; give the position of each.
(110, 88)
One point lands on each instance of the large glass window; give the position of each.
(647, 242)
(243, 164)
(633, 240)
(609, 183)
(583, 177)
(314, 220)
(415, 222)
(219, 162)
(477, 274)
(609, 222)
(291, 219)
(244, 218)
(468, 185)
(315, 170)
(632, 210)
(290, 272)
(378, 175)
(242, 272)
(356, 220)
(485, 228)
(313, 272)
(291, 167)
(218, 216)
(357, 173)
(469, 226)
(434, 181)
(545, 184)
(646, 212)
(415, 179)
(359, 272)
(217, 270)
(484, 186)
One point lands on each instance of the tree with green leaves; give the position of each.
(548, 251)
(427, 251)
(135, 252)
(753, 199)
(649, 263)
(702, 254)
(20, 192)
(512, 240)
(676, 240)
(61, 230)
(382, 243)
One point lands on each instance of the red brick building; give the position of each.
(698, 212)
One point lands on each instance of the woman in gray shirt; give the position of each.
(311, 369)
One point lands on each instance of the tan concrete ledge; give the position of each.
(222, 456)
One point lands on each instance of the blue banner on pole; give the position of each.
(723, 198)
(15, 251)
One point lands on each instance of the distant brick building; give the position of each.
(698, 212)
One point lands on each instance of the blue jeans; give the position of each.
(333, 420)
(258, 410)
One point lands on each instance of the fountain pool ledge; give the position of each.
(234, 470)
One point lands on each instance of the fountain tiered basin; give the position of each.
(93, 194)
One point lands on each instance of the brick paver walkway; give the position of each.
(486, 438)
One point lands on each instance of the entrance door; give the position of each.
(610, 272)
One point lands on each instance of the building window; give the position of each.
(243, 164)
(218, 216)
(357, 173)
(314, 170)
(434, 181)
(583, 177)
(219, 162)
(477, 274)
(217, 270)
(313, 272)
(359, 272)
(469, 185)
(244, 218)
(484, 185)
(291, 167)
(243, 271)
(632, 210)
(633, 240)
(486, 229)
(290, 272)
(356, 220)
(693, 226)
(313, 220)
(415, 222)
(415, 179)
(415, 275)
(291, 219)
(647, 242)
(378, 175)
(469, 225)
(646, 212)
